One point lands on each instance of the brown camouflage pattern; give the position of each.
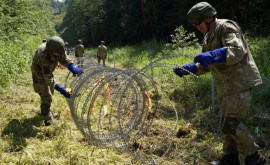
(236, 106)
(240, 142)
(43, 66)
(79, 50)
(240, 72)
(102, 53)
(234, 81)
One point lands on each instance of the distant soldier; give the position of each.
(102, 52)
(79, 53)
(67, 49)
(43, 65)
(226, 55)
(44, 40)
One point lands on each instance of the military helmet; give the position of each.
(200, 11)
(79, 41)
(55, 44)
(44, 40)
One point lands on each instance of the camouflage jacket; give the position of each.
(79, 50)
(44, 64)
(240, 72)
(102, 50)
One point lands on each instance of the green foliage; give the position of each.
(260, 49)
(23, 26)
(181, 38)
(19, 18)
(123, 22)
(86, 19)
(262, 94)
(16, 57)
(192, 94)
(136, 56)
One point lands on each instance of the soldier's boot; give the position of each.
(229, 159)
(48, 120)
(46, 113)
(255, 159)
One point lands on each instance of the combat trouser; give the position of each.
(45, 92)
(80, 61)
(236, 136)
(103, 58)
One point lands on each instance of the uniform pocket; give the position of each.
(238, 104)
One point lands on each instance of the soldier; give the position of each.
(79, 53)
(226, 55)
(102, 52)
(67, 49)
(43, 65)
(44, 40)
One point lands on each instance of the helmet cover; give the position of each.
(201, 10)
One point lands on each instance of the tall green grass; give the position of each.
(16, 57)
(260, 49)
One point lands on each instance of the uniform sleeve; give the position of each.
(232, 41)
(41, 68)
(64, 60)
(201, 70)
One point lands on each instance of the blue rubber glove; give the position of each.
(74, 70)
(62, 90)
(211, 57)
(182, 70)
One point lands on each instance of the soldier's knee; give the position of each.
(230, 125)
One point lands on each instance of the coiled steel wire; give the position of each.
(109, 106)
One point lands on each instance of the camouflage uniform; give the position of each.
(234, 82)
(43, 66)
(67, 50)
(102, 53)
(79, 53)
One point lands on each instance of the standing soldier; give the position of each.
(43, 65)
(102, 52)
(79, 53)
(227, 57)
(67, 50)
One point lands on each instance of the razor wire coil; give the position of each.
(126, 118)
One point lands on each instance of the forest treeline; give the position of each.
(24, 23)
(23, 18)
(121, 22)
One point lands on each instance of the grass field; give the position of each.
(25, 139)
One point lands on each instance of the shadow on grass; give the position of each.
(16, 132)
